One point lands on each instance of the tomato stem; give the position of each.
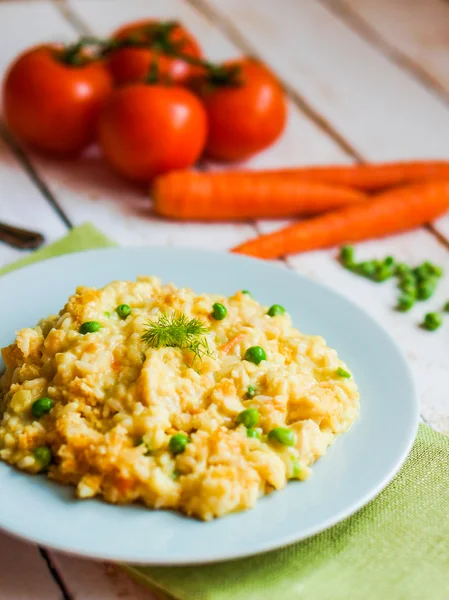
(155, 37)
(153, 73)
(85, 50)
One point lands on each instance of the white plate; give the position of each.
(357, 467)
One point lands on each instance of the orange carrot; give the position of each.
(240, 195)
(226, 348)
(375, 177)
(396, 210)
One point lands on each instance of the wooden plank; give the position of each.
(416, 31)
(90, 580)
(22, 204)
(23, 572)
(377, 106)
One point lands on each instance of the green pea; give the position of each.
(409, 289)
(347, 255)
(383, 272)
(253, 433)
(426, 270)
(435, 270)
(446, 307)
(405, 302)
(282, 435)
(247, 292)
(123, 311)
(251, 391)
(219, 311)
(276, 310)
(432, 321)
(407, 279)
(90, 327)
(255, 354)
(402, 269)
(249, 417)
(43, 456)
(178, 443)
(366, 269)
(295, 468)
(426, 288)
(389, 261)
(343, 373)
(41, 407)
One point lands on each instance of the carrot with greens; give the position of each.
(390, 212)
(240, 195)
(372, 177)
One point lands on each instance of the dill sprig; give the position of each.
(176, 330)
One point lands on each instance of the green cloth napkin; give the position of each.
(396, 548)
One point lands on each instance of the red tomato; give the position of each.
(147, 129)
(52, 105)
(132, 64)
(245, 115)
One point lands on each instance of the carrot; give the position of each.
(226, 348)
(372, 178)
(396, 210)
(240, 195)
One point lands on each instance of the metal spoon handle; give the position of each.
(20, 238)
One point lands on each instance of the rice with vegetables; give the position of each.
(144, 392)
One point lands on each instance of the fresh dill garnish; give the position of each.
(176, 330)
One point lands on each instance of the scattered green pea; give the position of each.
(420, 272)
(123, 311)
(251, 392)
(446, 307)
(432, 321)
(219, 311)
(253, 433)
(255, 354)
(408, 285)
(90, 327)
(295, 468)
(407, 279)
(247, 292)
(41, 407)
(276, 310)
(383, 272)
(43, 456)
(366, 269)
(426, 270)
(178, 443)
(347, 255)
(343, 373)
(436, 270)
(426, 288)
(389, 261)
(248, 417)
(405, 302)
(401, 270)
(282, 435)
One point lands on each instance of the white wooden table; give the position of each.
(368, 80)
